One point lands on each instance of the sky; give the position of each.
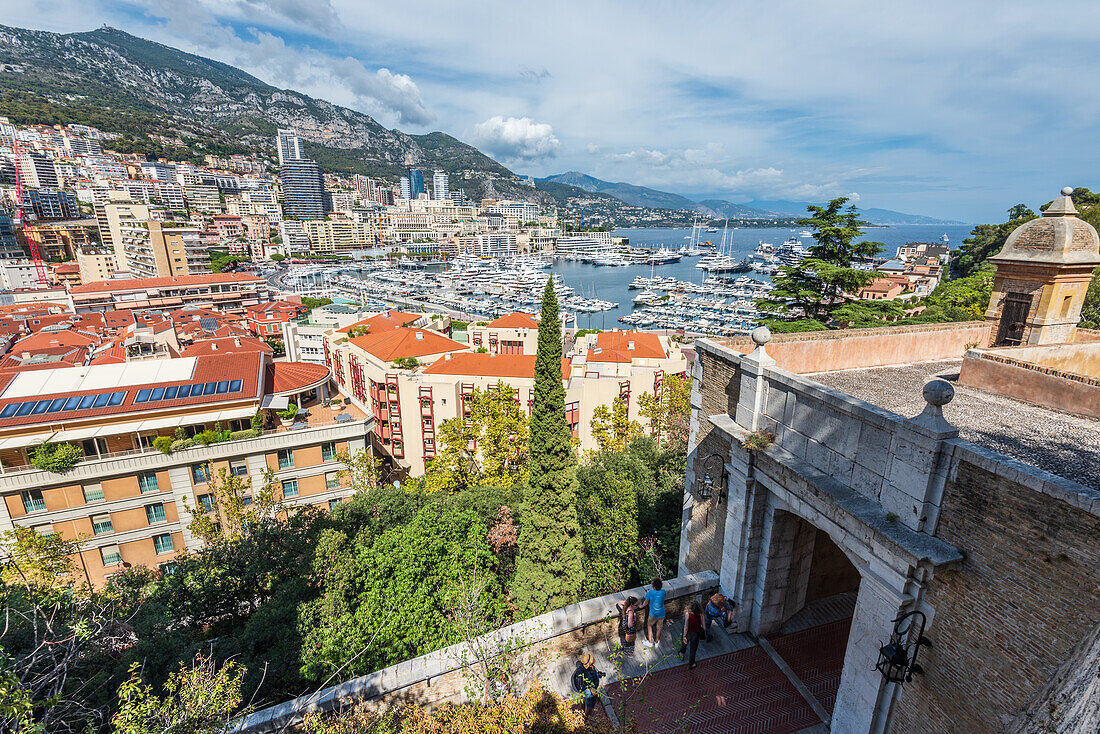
(950, 109)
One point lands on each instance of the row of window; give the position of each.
(101, 524)
(148, 395)
(59, 405)
(200, 473)
(111, 555)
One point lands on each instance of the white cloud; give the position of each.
(397, 92)
(516, 138)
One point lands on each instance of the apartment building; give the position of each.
(225, 292)
(132, 504)
(155, 249)
(340, 235)
(514, 333)
(304, 337)
(110, 215)
(410, 402)
(62, 240)
(267, 319)
(96, 263)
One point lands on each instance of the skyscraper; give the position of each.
(303, 189)
(440, 190)
(405, 190)
(416, 183)
(290, 146)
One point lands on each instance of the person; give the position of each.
(719, 610)
(628, 624)
(586, 679)
(693, 630)
(655, 598)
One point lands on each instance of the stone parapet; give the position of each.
(439, 676)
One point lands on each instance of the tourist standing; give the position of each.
(628, 624)
(655, 598)
(693, 630)
(586, 679)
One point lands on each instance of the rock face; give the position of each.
(112, 69)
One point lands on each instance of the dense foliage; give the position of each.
(56, 457)
(549, 573)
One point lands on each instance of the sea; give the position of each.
(612, 283)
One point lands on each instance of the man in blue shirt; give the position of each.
(655, 599)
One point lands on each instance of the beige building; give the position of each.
(516, 333)
(112, 213)
(154, 249)
(226, 292)
(96, 263)
(131, 504)
(410, 403)
(340, 235)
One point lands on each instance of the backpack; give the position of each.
(580, 684)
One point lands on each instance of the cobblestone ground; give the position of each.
(1060, 443)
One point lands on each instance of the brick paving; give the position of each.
(816, 656)
(741, 692)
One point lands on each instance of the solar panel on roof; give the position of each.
(208, 323)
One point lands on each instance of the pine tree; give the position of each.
(549, 569)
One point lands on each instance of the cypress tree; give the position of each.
(549, 569)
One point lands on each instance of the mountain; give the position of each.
(873, 215)
(130, 85)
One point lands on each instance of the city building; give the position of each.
(36, 170)
(18, 274)
(129, 502)
(515, 333)
(523, 211)
(62, 240)
(153, 249)
(48, 203)
(267, 319)
(203, 198)
(303, 189)
(416, 183)
(110, 214)
(66, 274)
(289, 145)
(412, 377)
(9, 243)
(406, 189)
(304, 337)
(440, 189)
(96, 263)
(225, 292)
(340, 235)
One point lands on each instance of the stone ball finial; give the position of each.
(939, 393)
(1067, 191)
(761, 335)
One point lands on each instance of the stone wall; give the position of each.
(441, 676)
(1024, 597)
(706, 523)
(1011, 373)
(823, 351)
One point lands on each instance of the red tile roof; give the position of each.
(227, 345)
(614, 346)
(402, 343)
(277, 306)
(180, 281)
(486, 365)
(385, 321)
(515, 320)
(283, 377)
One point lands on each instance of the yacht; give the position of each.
(663, 256)
(717, 263)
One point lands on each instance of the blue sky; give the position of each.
(949, 109)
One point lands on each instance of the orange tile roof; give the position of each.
(288, 376)
(402, 343)
(486, 365)
(382, 322)
(614, 346)
(227, 345)
(515, 320)
(177, 281)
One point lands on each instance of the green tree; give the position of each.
(1090, 310)
(607, 506)
(612, 428)
(201, 699)
(237, 508)
(968, 296)
(820, 284)
(1020, 211)
(488, 448)
(549, 569)
(669, 411)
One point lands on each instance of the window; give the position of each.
(147, 481)
(200, 473)
(206, 502)
(32, 501)
(46, 531)
(155, 513)
(167, 569)
(332, 480)
(332, 504)
(328, 451)
(163, 543)
(238, 467)
(290, 488)
(111, 555)
(93, 493)
(286, 458)
(101, 524)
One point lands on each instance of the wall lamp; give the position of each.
(897, 660)
(706, 485)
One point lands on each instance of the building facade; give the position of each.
(303, 189)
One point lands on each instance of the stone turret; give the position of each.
(1042, 275)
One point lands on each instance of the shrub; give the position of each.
(289, 413)
(56, 457)
(247, 433)
(758, 440)
(181, 443)
(163, 444)
(258, 421)
(207, 437)
(335, 401)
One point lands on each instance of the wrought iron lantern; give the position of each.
(706, 484)
(897, 660)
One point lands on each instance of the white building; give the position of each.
(290, 146)
(440, 188)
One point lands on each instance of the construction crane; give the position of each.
(20, 203)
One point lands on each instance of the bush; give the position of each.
(181, 443)
(207, 437)
(289, 413)
(258, 421)
(758, 441)
(163, 444)
(56, 457)
(248, 433)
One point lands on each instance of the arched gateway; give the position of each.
(839, 512)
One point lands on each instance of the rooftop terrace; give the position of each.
(1060, 443)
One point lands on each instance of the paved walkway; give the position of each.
(784, 685)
